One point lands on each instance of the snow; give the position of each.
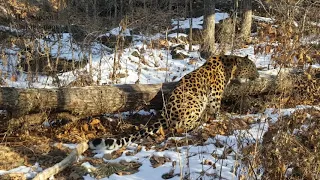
(150, 73)
(196, 155)
(70, 146)
(10, 29)
(140, 112)
(117, 31)
(29, 172)
(173, 35)
(153, 72)
(315, 24)
(315, 66)
(189, 159)
(88, 166)
(196, 22)
(263, 19)
(190, 153)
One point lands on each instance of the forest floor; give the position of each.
(225, 149)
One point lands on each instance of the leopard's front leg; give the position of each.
(214, 105)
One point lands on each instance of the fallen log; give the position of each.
(87, 101)
(96, 100)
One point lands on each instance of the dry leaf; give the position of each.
(163, 69)
(161, 131)
(157, 161)
(208, 162)
(118, 153)
(180, 130)
(94, 122)
(121, 173)
(14, 78)
(85, 127)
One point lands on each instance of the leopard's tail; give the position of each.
(115, 143)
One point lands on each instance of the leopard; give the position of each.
(197, 94)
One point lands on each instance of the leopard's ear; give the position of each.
(242, 59)
(239, 60)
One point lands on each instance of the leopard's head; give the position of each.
(245, 68)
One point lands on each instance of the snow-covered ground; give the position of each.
(160, 66)
(194, 161)
(189, 159)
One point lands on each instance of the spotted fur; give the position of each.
(196, 94)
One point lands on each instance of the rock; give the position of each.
(135, 54)
(178, 55)
(122, 75)
(74, 176)
(178, 47)
(111, 41)
(197, 35)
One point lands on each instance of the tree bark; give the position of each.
(191, 23)
(96, 100)
(115, 9)
(170, 5)
(209, 28)
(246, 19)
(91, 100)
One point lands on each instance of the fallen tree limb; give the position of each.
(88, 101)
(73, 156)
(96, 100)
(91, 100)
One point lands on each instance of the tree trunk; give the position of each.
(95, 13)
(170, 5)
(234, 17)
(186, 8)
(115, 4)
(121, 8)
(191, 23)
(130, 10)
(209, 28)
(96, 100)
(246, 19)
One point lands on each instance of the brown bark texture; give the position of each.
(91, 100)
(209, 27)
(96, 100)
(246, 19)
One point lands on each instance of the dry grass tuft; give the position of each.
(291, 148)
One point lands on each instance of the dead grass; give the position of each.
(10, 159)
(27, 146)
(283, 154)
(121, 168)
(279, 151)
(291, 148)
(30, 149)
